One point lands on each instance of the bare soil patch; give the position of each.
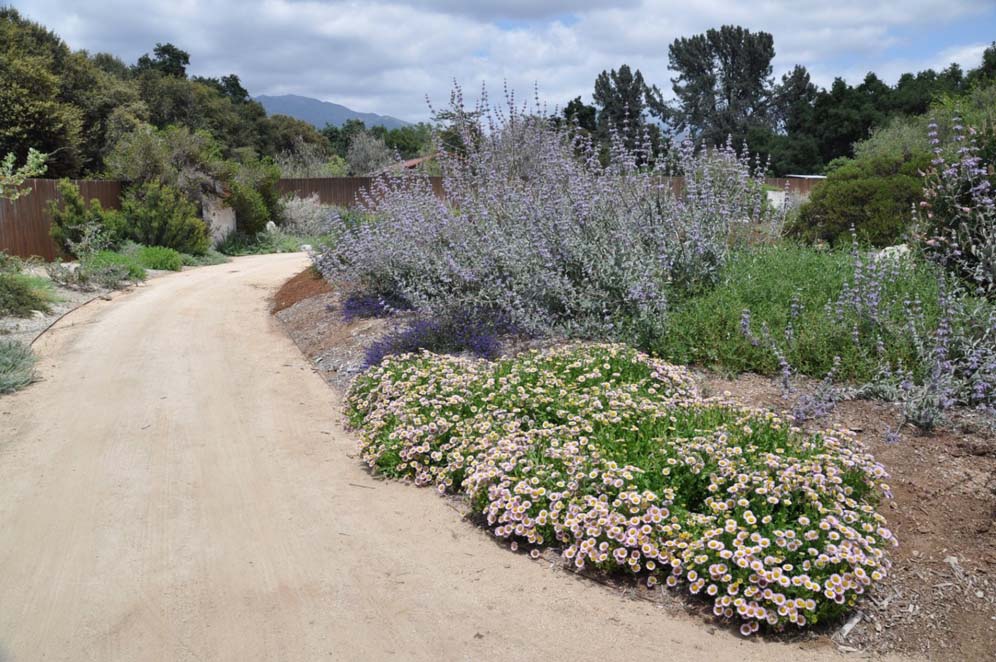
(939, 600)
(307, 284)
(27, 329)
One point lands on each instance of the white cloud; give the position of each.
(385, 56)
(967, 56)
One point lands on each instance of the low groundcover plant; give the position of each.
(611, 456)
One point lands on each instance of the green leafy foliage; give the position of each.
(722, 86)
(210, 258)
(12, 177)
(905, 136)
(874, 196)
(167, 59)
(74, 220)
(161, 258)
(156, 215)
(38, 108)
(111, 266)
(795, 286)
(21, 295)
(622, 97)
(251, 212)
(254, 195)
(262, 243)
(174, 156)
(154, 257)
(287, 134)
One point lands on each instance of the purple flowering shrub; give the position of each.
(931, 344)
(951, 338)
(612, 457)
(457, 331)
(536, 228)
(360, 305)
(958, 357)
(958, 214)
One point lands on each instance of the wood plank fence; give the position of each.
(25, 223)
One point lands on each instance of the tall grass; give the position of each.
(17, 366)
(21, 294)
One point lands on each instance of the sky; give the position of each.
(387, 56)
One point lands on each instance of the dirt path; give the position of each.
(177, 488)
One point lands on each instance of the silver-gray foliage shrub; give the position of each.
(308, 217)
(537, 230)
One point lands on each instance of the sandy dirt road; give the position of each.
(178, 488)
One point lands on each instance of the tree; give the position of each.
(785, 153)
(723, 87)
(284, 132)
(581, 114)
(623, 98)
(310, 160)
(33, 110)
(175, 156)
(104, 101)
(167, 59)
(229, 86)
(793, 101)
(914, 92)
(787, 143)
(110, 64)
(12, 177)
(367, 154)
(410, 141)
(844, 115)
(985, 72)
(33, 115)
(340, 137)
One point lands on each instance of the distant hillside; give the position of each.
(321, 113)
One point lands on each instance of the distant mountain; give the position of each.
(321, 113)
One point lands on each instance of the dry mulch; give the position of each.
(307, 284)
(939, 600)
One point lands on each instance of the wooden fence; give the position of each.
(24, 223)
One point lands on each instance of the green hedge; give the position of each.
(157, 215)
(157, 257)
(875, 196)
